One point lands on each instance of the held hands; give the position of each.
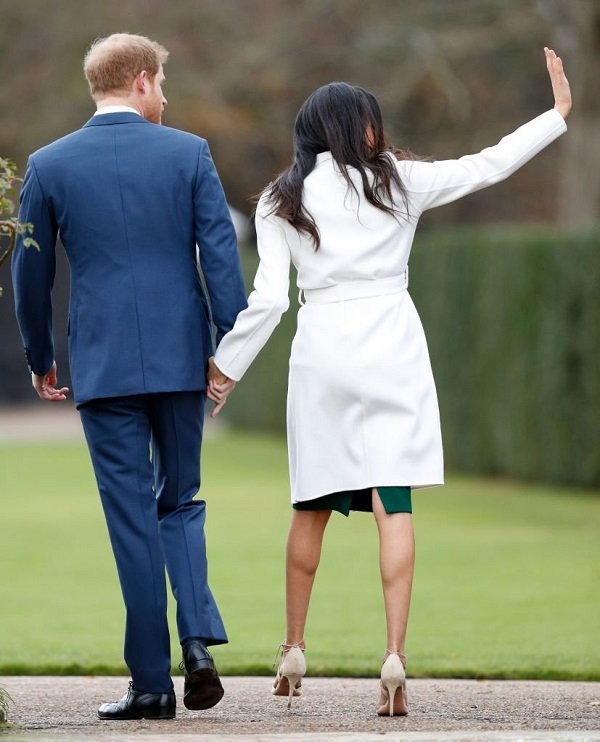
(560, 84)
(45, 386)
(219, 387)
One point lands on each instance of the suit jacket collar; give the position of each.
(123, 117)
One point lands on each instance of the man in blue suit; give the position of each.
(133, 201)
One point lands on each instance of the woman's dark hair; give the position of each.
(335, 118)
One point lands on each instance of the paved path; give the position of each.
(64, 708)
(40, 421)
(56, 423)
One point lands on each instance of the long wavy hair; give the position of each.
(345, 120)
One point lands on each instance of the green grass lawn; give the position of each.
(507, 578)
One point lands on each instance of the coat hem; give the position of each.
(396, 483)
(138, 393)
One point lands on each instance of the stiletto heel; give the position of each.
(291, 670)
(293, 685)
(392, 698)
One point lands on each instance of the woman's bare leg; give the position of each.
(302, 559)
(396, 562)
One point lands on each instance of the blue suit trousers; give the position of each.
(145, 450)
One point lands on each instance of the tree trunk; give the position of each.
(577, 41)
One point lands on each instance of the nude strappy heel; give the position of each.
(291, 670)
(392, 698)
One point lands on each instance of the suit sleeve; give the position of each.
(217, 246)
(266, 304)
(432, 184)
(33, 274)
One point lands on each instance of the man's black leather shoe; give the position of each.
(202, 688)
(136, 704)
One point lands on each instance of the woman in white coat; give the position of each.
(362, 413)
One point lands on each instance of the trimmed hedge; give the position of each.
(512, 317)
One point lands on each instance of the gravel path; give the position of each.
(53, 708)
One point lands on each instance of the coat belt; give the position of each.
(359, 289)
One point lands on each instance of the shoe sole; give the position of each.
(204, 690)
(141, 715)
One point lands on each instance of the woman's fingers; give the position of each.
(218, 394)
(217, 409)
(215, 396)
(560, 84)
(218, 387)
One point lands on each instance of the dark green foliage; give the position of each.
(513, 321)
(512, 317)
(5, 700)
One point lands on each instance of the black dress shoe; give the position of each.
(136, 704)
(202, 688)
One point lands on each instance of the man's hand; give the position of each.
(45, 386)
(219, 387)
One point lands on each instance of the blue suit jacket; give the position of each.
(130, 200)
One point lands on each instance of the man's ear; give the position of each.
(140, 81)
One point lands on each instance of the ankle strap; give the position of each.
(388, 652)
(283, 648)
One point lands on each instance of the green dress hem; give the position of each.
(394, 499)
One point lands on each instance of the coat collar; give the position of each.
(324, 157)
(122, 117)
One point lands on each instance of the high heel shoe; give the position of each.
(392, 698)
(291, 670)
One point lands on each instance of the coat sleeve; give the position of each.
(432, 184)
(33, 273)
(217, 245)
(266, 304)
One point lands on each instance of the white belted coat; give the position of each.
(362, 408)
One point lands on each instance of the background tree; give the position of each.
(452, 77)
(10, 227)
(577, 33)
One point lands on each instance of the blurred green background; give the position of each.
(507, 284)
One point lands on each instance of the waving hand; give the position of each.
(560, 84)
